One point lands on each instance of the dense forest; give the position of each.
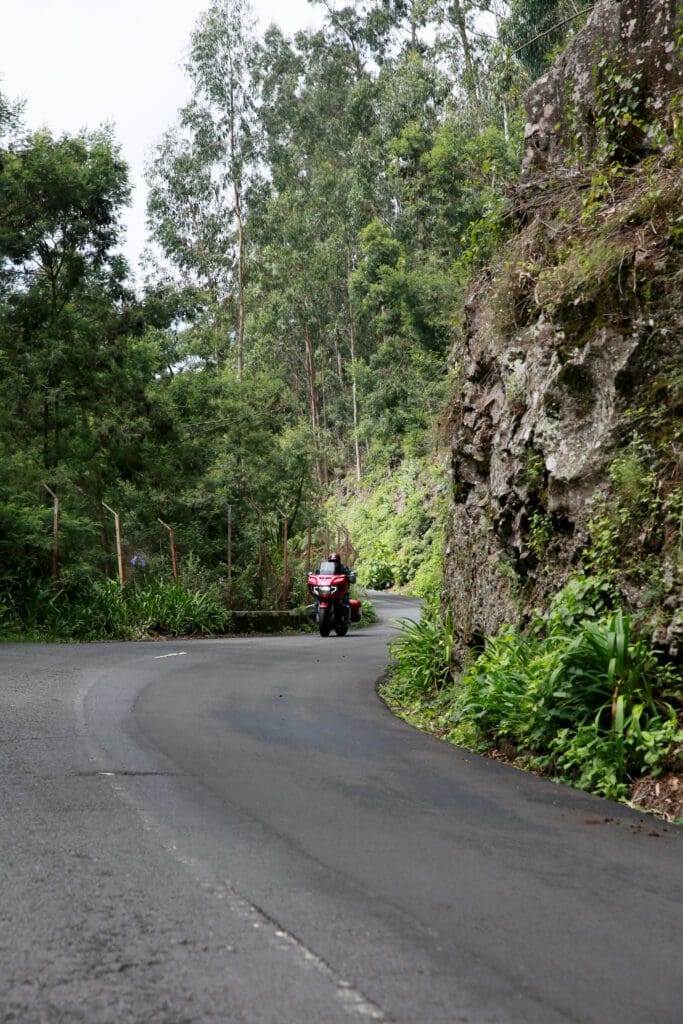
(315, 213)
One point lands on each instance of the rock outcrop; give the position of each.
(627, 56)
(566, 430)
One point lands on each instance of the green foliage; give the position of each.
(103, 610)
(604, 761)
(530, 26)
(377, 571)
(427, 581)
(620, 117)
(540, 533)
(636, 519)
(579, 695)
(581, 272)
(320, 203)
(368, 611)
(423, 653)
(168, 609)
(532, 471)
(396, 529)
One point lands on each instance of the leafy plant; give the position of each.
(579, 695)
(377, 573)
(423, 652)
(619, 109)
(540, 532)
(171, 610)
(103, 610)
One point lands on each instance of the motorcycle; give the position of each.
(333, 609)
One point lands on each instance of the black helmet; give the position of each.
(334, 557)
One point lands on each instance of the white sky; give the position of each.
(81, 63)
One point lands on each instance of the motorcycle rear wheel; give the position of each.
(341, 629)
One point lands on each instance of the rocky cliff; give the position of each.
(566, 428)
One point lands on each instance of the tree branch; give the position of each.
(541, 35)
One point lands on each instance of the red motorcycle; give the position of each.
(333, 608)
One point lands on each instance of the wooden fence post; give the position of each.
(171, 534)
(230, 556)
(309, 540)
(119, 552)
(55, 536)
(285, 581)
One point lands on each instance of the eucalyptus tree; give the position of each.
(201, 169)
(317, 108)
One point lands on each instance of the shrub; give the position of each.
(103, 610)
(579, 695)
(423, 652)
(428, 579)
(171, 610)
(377, 573)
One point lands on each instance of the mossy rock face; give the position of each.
(570, 368)
(632, 43)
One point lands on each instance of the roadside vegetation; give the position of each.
(585, 689)
(103, 610)
(576, 696)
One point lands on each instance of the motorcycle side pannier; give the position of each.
(355, 609)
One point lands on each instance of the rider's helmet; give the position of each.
(334, 557)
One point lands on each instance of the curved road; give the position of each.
(238, 831)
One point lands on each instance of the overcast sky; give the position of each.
(80, 63)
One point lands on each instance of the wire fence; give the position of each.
(276, 568)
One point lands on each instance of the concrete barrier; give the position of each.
(268, 621)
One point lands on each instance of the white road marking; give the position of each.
(176, 654)
(353, 1001)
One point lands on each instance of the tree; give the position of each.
(64, 303)
(199, 175)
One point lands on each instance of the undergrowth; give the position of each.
(577, 696)
(103, 610)
(395, 520)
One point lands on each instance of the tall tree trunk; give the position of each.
(339, 360)
(459, 19)
(240, 282)
(354, 395)
(46, 434)
(354, 389)
(237, 205)
(313, 406)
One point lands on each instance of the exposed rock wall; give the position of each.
(571, 348)
(631, 40)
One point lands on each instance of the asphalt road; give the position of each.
(239, 831)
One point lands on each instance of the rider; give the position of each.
(340, 570)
